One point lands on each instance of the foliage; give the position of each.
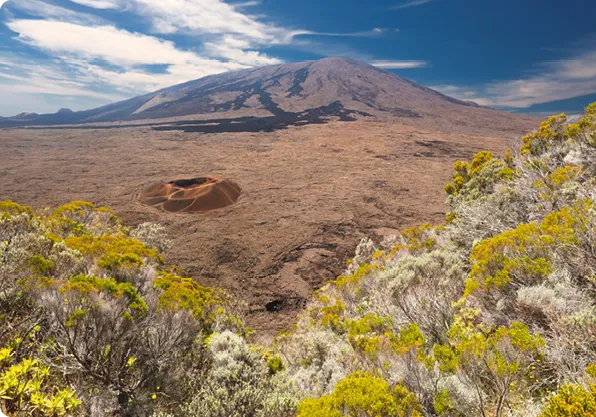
(152, 235)
(361, 394)
(184, 293)
(92, 322)
(486, 315)
(572, 401)
(238, 384)
(26, 389)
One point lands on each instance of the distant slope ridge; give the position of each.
(279, 90)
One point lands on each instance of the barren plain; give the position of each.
(309, 194)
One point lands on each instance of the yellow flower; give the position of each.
(154, 396)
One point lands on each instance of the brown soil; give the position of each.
(192, 195)
(309, 194)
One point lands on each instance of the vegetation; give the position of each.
(91, 323)
(492, 314)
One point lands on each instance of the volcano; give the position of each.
(276, 96)
(192, 195)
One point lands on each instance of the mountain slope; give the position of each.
(282, 91)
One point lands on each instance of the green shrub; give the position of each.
(572, 400)
(26, 390)
(362, 395)
(184, 293)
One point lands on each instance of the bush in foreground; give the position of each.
(492, 314)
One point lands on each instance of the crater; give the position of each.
(192, 195)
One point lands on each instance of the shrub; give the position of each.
(549, 133)
(179, 293)
(524, 254)
(572, 400)
(363, 395)
(153, 235)
(239, 384)
(80, 301)
(81, 217)
(500, 361)
(26, 390)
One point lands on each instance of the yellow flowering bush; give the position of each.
(363, 395)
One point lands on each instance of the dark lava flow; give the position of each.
(282, 120)
(320, 115)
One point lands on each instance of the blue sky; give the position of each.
(527, 56)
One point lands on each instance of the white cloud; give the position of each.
(412, 3)
(375, 32)
(462, 93)
(207, 17)
(99, 4)
(20, 78)
(113, 45)
(47, 10)
(230, 33)
(238, 50)
(99, 62)
(216, 17)
(398, 64)
(81, 46)
(2, 2)
(553, 81)
(246, 4)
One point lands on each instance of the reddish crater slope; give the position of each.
(193, 195)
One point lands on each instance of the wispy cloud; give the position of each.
(398, 64)
(20, 80)
(465, 93)
(99, 4)
(244, 4)
(203, 17)
(39, 8)
(119, 48)
(115, 46)
(550, 81)
(412, 3)
(375, 32)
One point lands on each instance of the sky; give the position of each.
(525, 56)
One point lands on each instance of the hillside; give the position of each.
(288, 94)
(490, 314)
